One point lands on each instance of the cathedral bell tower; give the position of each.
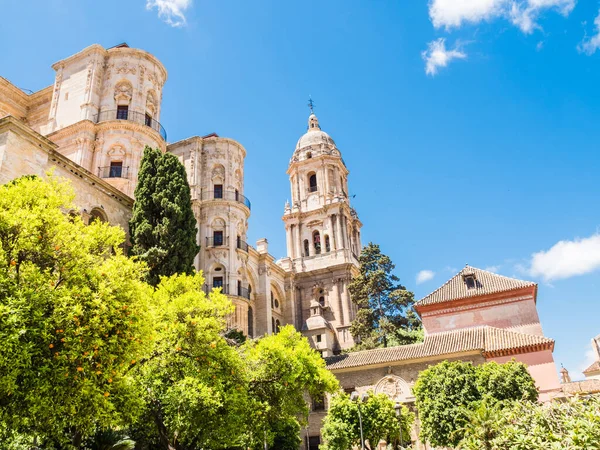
(323, 239)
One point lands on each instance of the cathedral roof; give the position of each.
(490, 341)
(472, 282)
(595, 367)
(314, 135)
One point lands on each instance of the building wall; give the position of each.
(541, 367)
(518, 315)
(23, 152)
(375, 379)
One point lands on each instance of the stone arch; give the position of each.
(218, 276)
(218, 174)
(395, 387)
(123, 92)
(151, 103)
(97, 213)
(218, 224)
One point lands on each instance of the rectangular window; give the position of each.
(318, 403)
(319, 338)
(470, 280)
(217, 238)
(148, 120)
(217, 282)
(116, 169)
(122, 112)
(314, 442)
(218, 191)
(349, 390)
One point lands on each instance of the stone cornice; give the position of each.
(518, 294)
(477, 305)
(94, 48)
(9, 123)
(296, 165)
(13, 90)
(405, 362)
(98, 49)
(201, 140)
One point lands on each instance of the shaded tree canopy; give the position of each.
(341, 427)
(447, 394)
(385, 316)
(162, 227)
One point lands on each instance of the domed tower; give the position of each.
(105, 109)
(323, 239)
(215, 168)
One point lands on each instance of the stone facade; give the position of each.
(91, 127)
(93, 124)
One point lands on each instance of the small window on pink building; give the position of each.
(470, 281)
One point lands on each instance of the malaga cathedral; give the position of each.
(91, 126)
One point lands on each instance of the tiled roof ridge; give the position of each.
(593, 367)
(489, 340)
(471, 269)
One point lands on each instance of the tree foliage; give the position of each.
(341, 427)
(163, 228)
(523, 425)
(385, 316)
(447, 394)
(91, 354)
(73, 318)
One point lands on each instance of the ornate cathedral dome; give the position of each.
(314, 135)
(315, 141)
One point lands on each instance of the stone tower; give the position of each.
(215, 168)
(323, 240)
(104, 109)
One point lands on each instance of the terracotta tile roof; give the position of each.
(591, 386)
(595, 367)
(490, 341)
(485, 283)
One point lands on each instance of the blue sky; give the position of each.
(471, 130)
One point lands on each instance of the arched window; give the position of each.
(322, 301)
(277, 325)
(272, 300)
(327, 243)
(273, 325)
(312, 182)
(308, 155)
(306, 248)
(317, 242)
(97, 214)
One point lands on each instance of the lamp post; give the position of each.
(398, 409)
(358, 399)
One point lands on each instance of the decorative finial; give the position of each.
(311, 104)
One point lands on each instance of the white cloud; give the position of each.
(425, 275)
(590, 357)
(567, 259)
(437, 55)
(590, 44)
(522, 13)
(493, 269)
(539, 46)
(171, 11)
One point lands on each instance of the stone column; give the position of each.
(340, 232)
(346, 302)
(335, 293)
(332, 233)
(288, 240)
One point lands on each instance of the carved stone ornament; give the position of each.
(117, 150)
(218, 172)
(396, 388)
(124, 68)
(123, 92)
(151, 102)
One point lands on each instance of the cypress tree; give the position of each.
(162, 227)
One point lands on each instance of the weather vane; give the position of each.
(311, 104)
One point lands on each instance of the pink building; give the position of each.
(506, 309)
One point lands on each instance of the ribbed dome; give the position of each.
(314, 137)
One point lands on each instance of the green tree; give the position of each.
(73, 319)
(447, 394)
(282, 368)
(163, 227)
(193, 381)
(385, 316)
(573, 424)
(341, 427)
